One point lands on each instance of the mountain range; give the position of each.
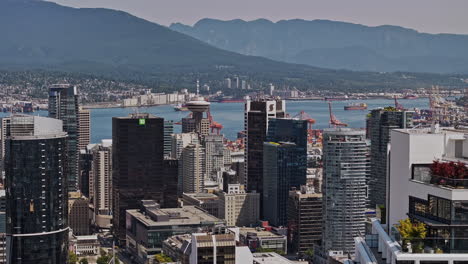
(43, 35)
(336, 45)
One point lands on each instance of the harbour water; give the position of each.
(231, 115)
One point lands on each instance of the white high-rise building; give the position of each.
(345, 169)
(192, 163)
(214, 149)
(180, 141)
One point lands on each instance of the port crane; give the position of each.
(398, 106)
(333, 120)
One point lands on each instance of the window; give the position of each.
(417, 206)
(421, 172)
(460, 212)
(439, 209)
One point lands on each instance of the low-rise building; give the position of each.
(206, 201)
(84, 245)
(257, 239)
(149, 226)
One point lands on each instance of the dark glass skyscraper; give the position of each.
(284, 166)
(63, 105)
(36, 189)
(381, 122)
(257, 114)
(137, 158)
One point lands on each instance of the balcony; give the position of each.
(449, 182)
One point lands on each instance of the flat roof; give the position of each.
(270, 258)
(259, 231)
(187, 215)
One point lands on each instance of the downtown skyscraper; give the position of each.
(36, 189)
(345, 169)
(257, 113)
(284, 166)
(137, 159)
(381, 122)
(63, 105)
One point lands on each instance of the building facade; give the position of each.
(137, 165)
(36, 191)
(256, 116)
(428, 182)
(63, 105)
(79, 218)
(168, 131)
(149, 226)
(381, 122)
(238, 207)
(345, 170)
(193, 168)
(84, 128)
(304, 220)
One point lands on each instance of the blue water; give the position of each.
(231, 115)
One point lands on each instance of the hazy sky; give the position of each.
(434, 16)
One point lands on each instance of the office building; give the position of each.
(257, 113)
(345, 170)
(149, 226)
(304, 220)
(3, 251)
(206, 248)
(280, 167)
(428, 183)
(381, 122)
(85, 166)
(79, 218)
(36, 191)
(239, 208)
(214, 154)
(100, 183)
(193, 168)
(137, 165)
(4, 133)
(171, 182)
(84, 128)
(168, 131)
(63, 105)
(257, 237)
(180, 141)
(273, 258)
(209, 202)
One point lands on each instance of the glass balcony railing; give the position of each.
(449, 182)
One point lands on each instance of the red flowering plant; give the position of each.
(450, 173)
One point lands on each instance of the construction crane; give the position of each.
(333, 120)
(215, 126)
(398, 106)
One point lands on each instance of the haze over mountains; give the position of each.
(43, 35)
(336, 45)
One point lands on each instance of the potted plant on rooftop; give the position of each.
(412, 233)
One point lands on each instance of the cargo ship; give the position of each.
(231, 101)
(181, 107)
(360, 106)
(411, 96)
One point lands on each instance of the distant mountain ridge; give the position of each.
(336, 45)
(116, 45)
